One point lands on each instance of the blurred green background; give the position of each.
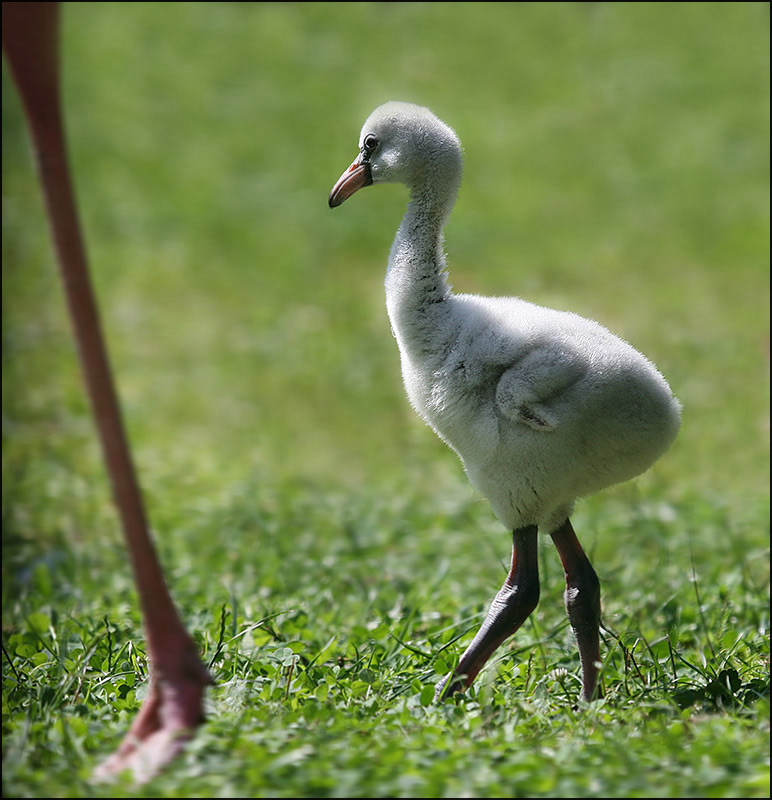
(616, 165)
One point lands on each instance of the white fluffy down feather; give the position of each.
(542, 406)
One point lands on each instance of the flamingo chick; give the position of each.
(542, 406)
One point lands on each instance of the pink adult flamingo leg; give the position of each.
(178, 679)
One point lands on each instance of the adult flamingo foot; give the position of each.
(167, 720)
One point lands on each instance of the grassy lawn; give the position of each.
(323, 546)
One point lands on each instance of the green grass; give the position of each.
(323, 546)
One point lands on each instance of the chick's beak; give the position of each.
(356, 177)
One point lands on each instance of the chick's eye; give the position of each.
(370, 143)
